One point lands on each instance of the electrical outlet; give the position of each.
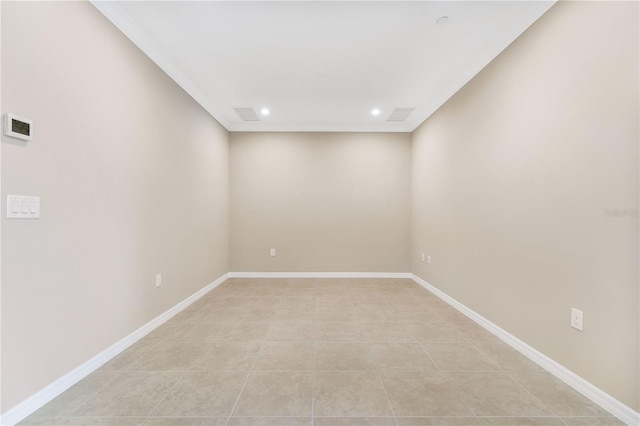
(158, 280)
(273, 252)
(429, 259)
(576, 319)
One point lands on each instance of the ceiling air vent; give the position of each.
(247, 114)
(400, 114)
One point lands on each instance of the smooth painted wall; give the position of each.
(327, 202)
(133, 179)
(525, 192)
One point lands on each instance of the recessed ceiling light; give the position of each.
(375, 112)
(442, 20)
(264, 111)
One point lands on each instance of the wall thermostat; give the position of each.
(18, 127)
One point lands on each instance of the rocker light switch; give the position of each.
(23, 207)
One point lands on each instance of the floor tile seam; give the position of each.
(610, 416)
(382, 369)
(119, 373)
(207, 348)
(127, 368)
(184, 373)
(565, 419)
(534, 417)
(499, 364)
(420, 345)
(151, 416)
(457, 389)
(357, 417)
(171, 370)
(313, 385)
(486, 358)
(443, 370)
(83, 401)
(307, 370)
(372, 359)
(484, 353)
(508, 374)
(552, 415)
(441, 416)
(246, 379)
(315, 308)
(164, 397)
(384, 389)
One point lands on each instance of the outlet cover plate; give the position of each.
(576, 318)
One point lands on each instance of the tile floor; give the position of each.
(323, 352)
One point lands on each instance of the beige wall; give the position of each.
(133, 180)
(327, 202)
(512, 179)
(509, 183)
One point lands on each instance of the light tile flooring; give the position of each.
(323, 352)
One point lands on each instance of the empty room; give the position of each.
(320, 213)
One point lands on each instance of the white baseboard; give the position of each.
(39, 399)
(319, 275)
(600, 397)
(36, 401)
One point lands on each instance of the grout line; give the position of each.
(378, 372)
(164, 397)
(420, 345)
(174, 385)
(506, 373)
(246, 379)
(423, 345)
(118, 373)
(315, 345)
(395, 419)
(313, 387)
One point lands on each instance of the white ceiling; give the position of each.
(322, 65)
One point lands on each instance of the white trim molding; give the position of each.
(595, 394)
(114, 13)
(598, 396)
(320, 275)
(48, 393)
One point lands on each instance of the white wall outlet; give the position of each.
(158, 280)
(429, 259)
(576, 318)
(273, 252)
(423, 257)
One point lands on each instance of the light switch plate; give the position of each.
(23, 207)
